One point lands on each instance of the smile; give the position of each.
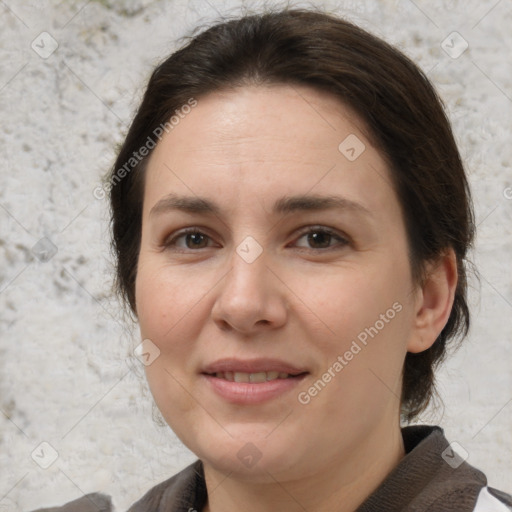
(241, 388)
(252, 377)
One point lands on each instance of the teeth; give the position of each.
(258, 377)
(241, 377)
(251, 377)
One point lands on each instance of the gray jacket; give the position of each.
(431, 477)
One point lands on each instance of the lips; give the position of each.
(253, 367)
(251, 382)
(252, 377)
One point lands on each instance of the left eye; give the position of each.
(321, 238)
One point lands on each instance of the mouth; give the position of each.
(251, 382)
(261, 369)
(256, 377)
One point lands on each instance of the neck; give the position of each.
(343, 486)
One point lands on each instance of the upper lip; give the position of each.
(252, 366)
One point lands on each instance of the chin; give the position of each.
(250, 454)
(263, 471)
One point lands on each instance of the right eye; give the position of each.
(191, 239)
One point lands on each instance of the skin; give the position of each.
(298, 301)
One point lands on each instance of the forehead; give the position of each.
(270, 117)
(267, 142)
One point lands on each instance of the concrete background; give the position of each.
(67, 376)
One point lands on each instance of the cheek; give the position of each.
(366, 320)
(164, 300)
(170, 314)
(344, 302)
(166, 305)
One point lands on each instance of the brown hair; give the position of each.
(396, 101)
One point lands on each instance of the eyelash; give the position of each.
(343, 241)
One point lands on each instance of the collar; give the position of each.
(422, 481)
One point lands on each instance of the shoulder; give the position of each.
(89, 503)
(453, 483)
(186, 490)
(492, 500)
(183, 492)
(434, 477)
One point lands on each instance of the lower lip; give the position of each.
(247, 393)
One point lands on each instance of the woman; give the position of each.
(291, 219)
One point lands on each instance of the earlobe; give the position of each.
(434, 302)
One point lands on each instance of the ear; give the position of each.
(434, 302)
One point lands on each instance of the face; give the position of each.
(274, 279)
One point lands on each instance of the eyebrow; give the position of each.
(283, 206)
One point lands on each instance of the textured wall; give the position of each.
(66, 374)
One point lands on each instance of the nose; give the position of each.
(251, 297)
